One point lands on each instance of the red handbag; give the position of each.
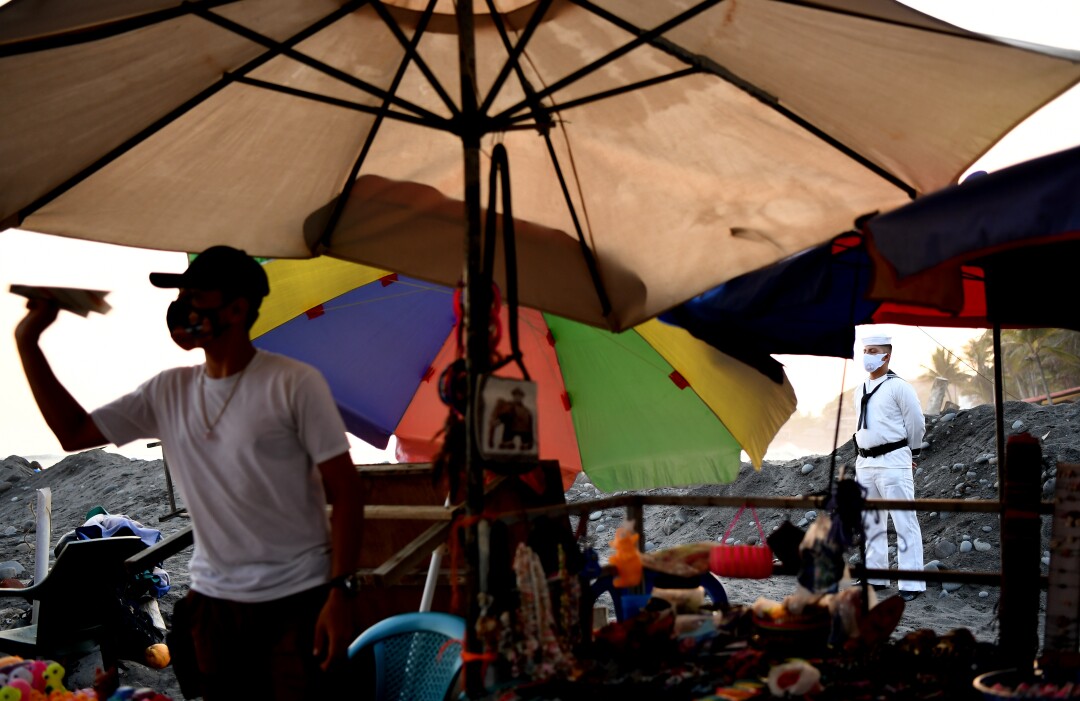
(742, 561)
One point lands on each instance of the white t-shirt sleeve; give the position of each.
(319, 423)
(129, 417)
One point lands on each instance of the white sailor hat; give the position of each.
(877, 341)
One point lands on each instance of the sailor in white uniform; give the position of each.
(890, 430)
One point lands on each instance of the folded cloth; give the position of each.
(108, 525)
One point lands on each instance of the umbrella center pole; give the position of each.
(476, 304)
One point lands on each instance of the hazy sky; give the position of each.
(102, 356)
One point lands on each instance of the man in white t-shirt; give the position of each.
(890, 430)
(258, 450)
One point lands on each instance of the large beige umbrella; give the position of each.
(695, 141)
(657, 147)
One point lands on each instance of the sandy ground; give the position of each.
(958, 463)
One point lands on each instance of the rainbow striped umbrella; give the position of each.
(645, 408)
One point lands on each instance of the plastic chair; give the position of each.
(77, 599)
(417, 656)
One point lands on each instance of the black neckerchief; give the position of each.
(863, 421)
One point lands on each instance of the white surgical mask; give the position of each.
(872, 362)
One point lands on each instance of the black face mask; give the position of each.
(179, 316)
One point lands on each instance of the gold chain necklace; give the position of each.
(202, 400)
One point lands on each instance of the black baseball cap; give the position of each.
(219, 268)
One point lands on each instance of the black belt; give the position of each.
(879, 450)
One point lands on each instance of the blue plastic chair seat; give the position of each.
(417, 656)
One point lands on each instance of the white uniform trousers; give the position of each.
(898, 484)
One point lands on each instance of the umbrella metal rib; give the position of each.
(285, 49)
(708, 65)
(82, 35)
(644, 37)
(339, 102)
(513, 61)
(384, 111)
(411, 54)
(542, 117)
(181, 109)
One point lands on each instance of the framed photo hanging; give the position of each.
(508, 420)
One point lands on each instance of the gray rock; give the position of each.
(649, 546)
(965, 537)
(14, 565)
(987, 529)
(4, 486)
(944, 548)
(811, 515)
(984, 594)
(966, 546)
(982, 546)
(918, 471)
(7, 572)
(957, 467)
(28, 525)
(601, 528)
(10, 530)
(924, 445)
(945, 515)
(803, 523)
(1017, 425)
(1046, 561)
(972, 476)
(932, 515)
(983, 459)
(933, 565)
(993, 460)
(596, 515)
(946, 418)
(951, 586)
(752, 540)
(807, 468)
(1049, 486)
(729, 541)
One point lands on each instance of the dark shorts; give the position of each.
(260, 650)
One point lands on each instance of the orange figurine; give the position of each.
(627, 557)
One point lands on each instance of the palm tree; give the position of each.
(1062, 348)
(944, 363)
(979, 353)
(1039, 358)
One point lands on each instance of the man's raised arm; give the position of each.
(64, 415)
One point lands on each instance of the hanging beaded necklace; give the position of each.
(210, 426)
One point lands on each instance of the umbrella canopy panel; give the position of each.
(730, 135)
(968, 248)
